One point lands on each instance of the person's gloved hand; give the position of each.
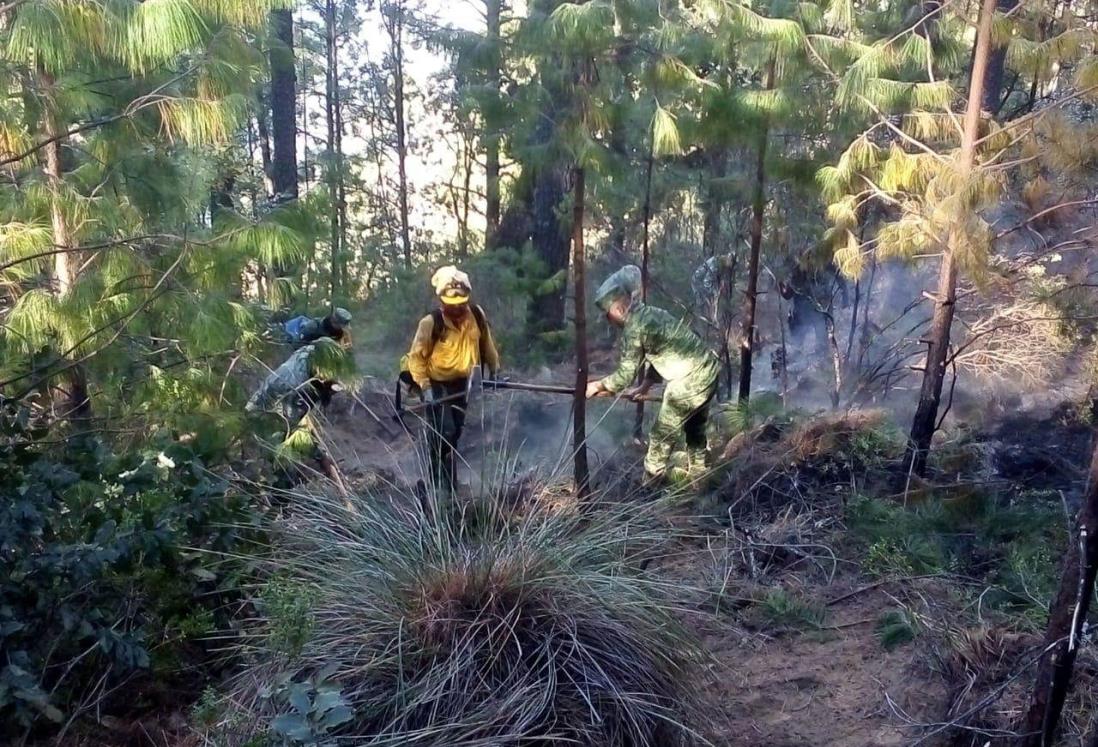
(416, 390)
(594, 388)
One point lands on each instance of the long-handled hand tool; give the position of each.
(556, 389)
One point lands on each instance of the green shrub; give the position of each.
(782, 609)
(478, 627)
(104, 574)
(896, 627)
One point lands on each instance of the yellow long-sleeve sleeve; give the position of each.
(454, 355)
(419, 356)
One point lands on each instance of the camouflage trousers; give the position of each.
(684, 414)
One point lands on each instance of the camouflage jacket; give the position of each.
(284, 388)
(668, 345)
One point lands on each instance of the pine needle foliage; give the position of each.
(150, 92)
(483, 626)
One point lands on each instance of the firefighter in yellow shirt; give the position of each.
(449, 344)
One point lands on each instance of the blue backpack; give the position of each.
(293, 327)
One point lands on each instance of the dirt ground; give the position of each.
(794, 689)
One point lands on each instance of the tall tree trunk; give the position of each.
(925, 421)
(714, 203)
(76, 404)
(494, 10)
(467, 184)
(996, 69)
(341, 182)
(264, 137)
(1067, 614)
(283, 106)
(638, 417)
(332, 166)
(579, 285)
(758, 208)
(549, 234)
(396, 38)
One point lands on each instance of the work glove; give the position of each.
(416, 390)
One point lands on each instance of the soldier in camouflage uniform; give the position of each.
(292, 391)
(677, 354)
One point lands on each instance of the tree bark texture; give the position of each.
(925, 421)
(750, 302)
(996, 69)
(579, 411)
(1067, 614)
(283, 107)
(396, 38)
(332, 166)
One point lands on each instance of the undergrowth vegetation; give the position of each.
(480, 626)
(106, 581)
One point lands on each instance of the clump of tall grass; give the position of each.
(482, 627)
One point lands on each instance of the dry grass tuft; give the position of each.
(485, 626)
(773, 466)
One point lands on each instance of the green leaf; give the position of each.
(292, 726)
(299, 697)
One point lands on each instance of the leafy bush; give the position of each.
(478, 627)
(104, 575)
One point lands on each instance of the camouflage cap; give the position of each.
(341, 317)
(625, 283)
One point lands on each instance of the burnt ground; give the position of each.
(817, 674)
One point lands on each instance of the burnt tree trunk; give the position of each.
(579, 411)
(1067, 614)
(283, 107)
(758, 208)
(926, 414)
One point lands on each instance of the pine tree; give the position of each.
(394, 16)
(158, 88)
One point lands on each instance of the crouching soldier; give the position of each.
(303, 330)
(677, 355)
(449, 344)
(306, 381)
